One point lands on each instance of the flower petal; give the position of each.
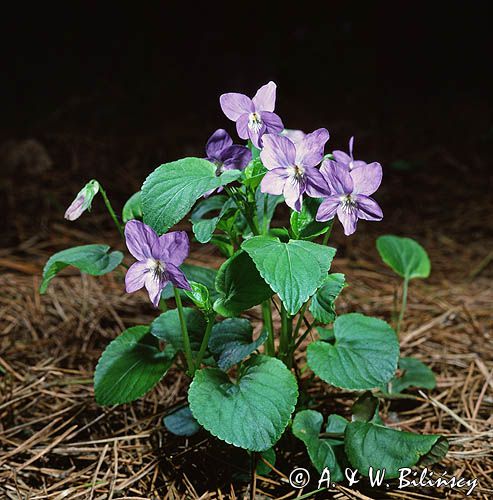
(367, 178)
(293, 193)
(316, 185)
(177, 277)
(256, 136)
(76, 208)
(234, 105)
(172, 247)
(272, 122)
(337, 176)
(139, 238)
(342, 157)
(136, 276)
(278, 152)
(242, 126)
(235, 157)
(155, 285)
(294, 135)
(310, 150)
(265, 98)
(328, 208)
(368, 208)
(349, 219)
(351, 144)
(274, 181)
(217, 142)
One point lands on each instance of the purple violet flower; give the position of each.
(158, 259)
(82, 201)
(253, 117)
(348, 159)
(293, 134)
(292, 169)
(350, 193)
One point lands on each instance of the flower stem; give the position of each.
(111, 211)
(243, 209)
(267, 315)
(328, 233)
(184, 333)
(403, 305)
(303, 337)
(265, 222)
(205, 341)
(285, 339)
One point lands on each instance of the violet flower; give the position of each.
(82, 201)
(158, 259)
(293, 134)
(348, 159)
(253, 117)
(350, 194)
(292, 169)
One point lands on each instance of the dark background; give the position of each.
(112, 90)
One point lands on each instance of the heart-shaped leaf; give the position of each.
(405, 256)
(240, 286)
(307, 426)
(413, 373)
(203, 228)
(130, 366)
(167, 327)
(303, 223)
(170, 191)
(181, 422)
(370, 445)
(322, 305)
(293, 270)
(90, 259)
(364, 355)
(132, 208)
(231, 341)
(251, 413)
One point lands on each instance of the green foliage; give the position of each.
(181, 422)
(303, 223)
(254, 173)
(90, 259)
(231, 341)
(370, 445)
(203, 228)
(404, 256)
(240, 286)
(199, 274)
(130, 366)
(132, 208)
(170, 191)
(251, 412)
(322, 305)
(364, 355)
(200, 296)
(414, 373)
(293, 270)
(323, 453)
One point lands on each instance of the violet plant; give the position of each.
(247, 391)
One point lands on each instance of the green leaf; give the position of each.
(251, 413)
(270, 456)
(293, 270)
(326, 334)
(370, 445)
(231, 341)
(200, 274)
(307, 425)
(167, 327)
(404, 256)
(170, 191)
(364, 355)
(322, 305)
(268, 203)
(336, 424)
(254, 173)
(303, 223)
(199, 295)
(130, 366)
(90, 259)
(132, 208)
(414, 373)
(365, 408)
(181, 422)
(204, 228)
(240, 286)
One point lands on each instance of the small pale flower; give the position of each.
(348, 159)
(82, 201)
(350, 194)
(253, 117)
(158, 258)
(292, 169)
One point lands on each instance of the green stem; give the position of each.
(267, 315)
(205, 341)
(111, 211)
(403, 305)
(184, 333)
(244, 210)
(265, 222)
(285, 339)
(303, 337)
(328, 233)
